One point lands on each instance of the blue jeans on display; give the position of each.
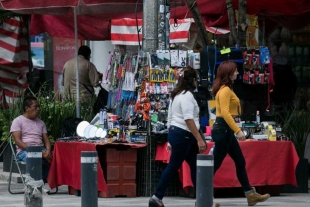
(184, 147)
(226, 142)
(22, 155)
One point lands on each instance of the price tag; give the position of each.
(225, 51)
(161, 9)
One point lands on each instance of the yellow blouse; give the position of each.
(228, 105)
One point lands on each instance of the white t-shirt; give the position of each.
(183, 107)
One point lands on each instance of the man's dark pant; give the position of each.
(22, 155)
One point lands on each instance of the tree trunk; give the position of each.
(242, 26)
(193, 7)
(232, 26)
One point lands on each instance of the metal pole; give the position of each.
(204, 183)
(34, 169)
(78, 105)
(162, 24)
(167, 14)
(89, 175)
(149, 27)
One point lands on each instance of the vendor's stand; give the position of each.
(120, 102)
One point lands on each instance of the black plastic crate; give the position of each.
(149, 172)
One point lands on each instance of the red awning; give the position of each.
(92, 27)
(13, 59)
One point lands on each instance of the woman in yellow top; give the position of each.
(225, 130)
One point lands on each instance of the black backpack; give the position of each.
(101, 101)
(69, 126)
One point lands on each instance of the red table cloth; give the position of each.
(267, 163)
(65, 168)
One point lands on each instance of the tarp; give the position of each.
(62, 7)
(125, 31)
(218, 30)
(98, 27)
(214, 13)
(14, 59)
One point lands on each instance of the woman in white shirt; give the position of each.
(185, 141)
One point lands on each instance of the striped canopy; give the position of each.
(14, 59)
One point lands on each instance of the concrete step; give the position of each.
(4, 176)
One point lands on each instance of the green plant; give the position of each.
(296, 124)
(53, 111)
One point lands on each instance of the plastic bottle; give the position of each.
(127, 135)
(257, 117)
(105, 119)
(211, 150)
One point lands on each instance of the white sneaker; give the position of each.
(46, 188)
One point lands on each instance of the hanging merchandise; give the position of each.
(256, 66)
(139, 92)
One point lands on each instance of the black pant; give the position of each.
(226, 142)
(184, 147)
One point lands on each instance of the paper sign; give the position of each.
(225, 51)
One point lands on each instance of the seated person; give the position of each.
(28, 130)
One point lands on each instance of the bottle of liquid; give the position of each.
(105, 119)
(211, 150)
(257, 117)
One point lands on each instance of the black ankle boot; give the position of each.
(154, 203)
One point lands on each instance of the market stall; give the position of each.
(270, 164)
(116, 167)
(139, 87)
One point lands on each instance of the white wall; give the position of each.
(100, 55)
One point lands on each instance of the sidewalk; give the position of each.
(62, 199)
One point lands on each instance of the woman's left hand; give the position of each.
(202, 146)
(169, 148)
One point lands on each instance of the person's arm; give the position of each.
(17, 135)
(224, 99)
(187, 106)
(16, 130)
(47, 142)
(93, 75)
(169, 114)
(63, 76)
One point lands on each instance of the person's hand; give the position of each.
(202, 146)
(240, 135)
(100, 75)
(169, 148)
(47, 155)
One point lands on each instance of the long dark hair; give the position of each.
(225, 70)
(186, 82)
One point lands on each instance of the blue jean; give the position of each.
(227, 143)
(22, 155)
(184, 147)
